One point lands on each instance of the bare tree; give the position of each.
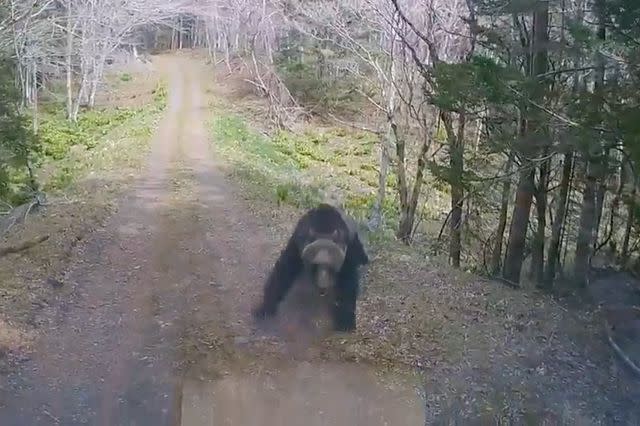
(442, 36)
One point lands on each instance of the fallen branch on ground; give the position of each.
(19, 214)
(26, 245)
(355, 125)
(507, 282)
(619, 350)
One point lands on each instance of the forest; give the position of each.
(500, 137)
(522, 113)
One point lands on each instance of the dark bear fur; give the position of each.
(323, 220)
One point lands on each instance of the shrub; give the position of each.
(17, 142)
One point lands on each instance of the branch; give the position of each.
(354, 125)
(432, 48)
(22, 246)
(554, 114)
(565, 71)
(29, 13)
(619, 351)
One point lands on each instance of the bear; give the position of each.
(326, 246)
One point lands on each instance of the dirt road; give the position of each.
(162, 292)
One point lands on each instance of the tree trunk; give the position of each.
(34, 96)
(600, 196)
(174, 36)
(376, 214)
(496, 255)
(558, 223)
(536, 135)
(99, 73)
(385, 143)
(69, 64)
(631, 208)
(26, 92)
(227, 53)
(518, 229)
(404, 225)
(210, 47)
(408, 201)
(537, 257)
(584, 243)
(594, 172)
(456, 162)
(81, 91)
(611, 225)
(93, 88)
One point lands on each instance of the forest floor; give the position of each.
(147, 318)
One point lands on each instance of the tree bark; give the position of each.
(631, 208)
(69, 62)
(408, 201)
(558, 223)
(98, 72)
(405, 223)
(34, 96)
(496, 255)
(456, 163)
(376, 214)
(584, 242)
(535, 133)
(600, 196)
(611, 225)
(537, 256)
(518, 229)
(385, 143)
(594, 172)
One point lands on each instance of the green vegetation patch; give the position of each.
(101, 140)
(299, 168)
(160, 93)
(58, 134)
(264, 162)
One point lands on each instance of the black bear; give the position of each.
(325, 245)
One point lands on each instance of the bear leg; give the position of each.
(344, 310)
(281, 277)
(356, 251)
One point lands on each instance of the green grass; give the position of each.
(304, 168)
(160, 93)
(267, 163)
(301, 168)
(102, 140)
(102, 137)
(58, 135)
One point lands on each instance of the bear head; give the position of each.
(323, 257)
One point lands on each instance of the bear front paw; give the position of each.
(261, 312)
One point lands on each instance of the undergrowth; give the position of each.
(84, 166)
(303, 169)
(101, 138)
(336, 164)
